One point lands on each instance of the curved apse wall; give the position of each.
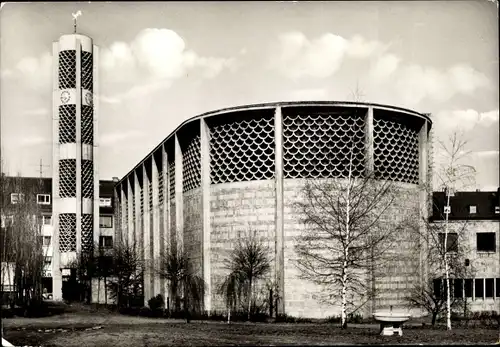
(225, 172)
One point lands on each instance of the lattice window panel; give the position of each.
(67, 178)
(150, 194)
(242, 151)
(87, 234)
(191, 165)
(133, 210)
(67, 69)
(395, 149)
(87, 124)
(67, 123)
(171, 174)
(87, 179)
(160, 188)
(142, 201)
(321, 145)
(67, 232)
(87, 65)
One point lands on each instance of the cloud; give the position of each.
(384, 67)
(154, 59)
(36, 112)
(297, 56)
(109, 100)
(113, 138)
(466, 120)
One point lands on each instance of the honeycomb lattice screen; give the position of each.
(142, 200)
(87, 235)
(150, 194)
(67, 69)
(171, 178)
(87, 179)
(67, 178)
(242, 150)
(395, 149)
(67, 232)
(87, 70)
(320, 145)
(191, 165)
(160, 187)
(67, 123)
(87, 124)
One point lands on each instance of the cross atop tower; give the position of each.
(75, 17)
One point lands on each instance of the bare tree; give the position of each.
(453, 172)
(247, 263)
(348, 234)
(434, 294)
(22, 240)
(183, 279)
(126, 281)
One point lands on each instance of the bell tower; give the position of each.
(75, 188)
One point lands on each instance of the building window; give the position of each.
(472, 209)
(458, 287)
(105, 221)
(47, 260)
(451, 242)
(497, 209)
(106, 241)
(497, 291)
(105, 202)
(43, 199)
(486, 242)
(489, 284)
(468, 288)
(479, 292)
(46, 240)
(16, 198)
(47, 220)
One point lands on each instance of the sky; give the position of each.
(162, 63)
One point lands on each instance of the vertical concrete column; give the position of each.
(130, 206)
(369, 170)
(166, 213)
(123, 215)
(205, 208)
(95, 141)
(146, 246)
(423, 165)
(137, 202)
(279, 221)
(78, 146)
(369, 160)
(56, 255)
(156, 227)
(179, 203)
(117, 208)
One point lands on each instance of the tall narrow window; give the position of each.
(479, 292)
(458, 286)
(489, 283)
(468, 287)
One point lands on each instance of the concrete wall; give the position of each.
(235, 210)
(306, 299)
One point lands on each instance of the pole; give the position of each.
(448, 313)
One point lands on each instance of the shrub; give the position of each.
(156, 302)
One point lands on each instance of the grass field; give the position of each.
(109, 329)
